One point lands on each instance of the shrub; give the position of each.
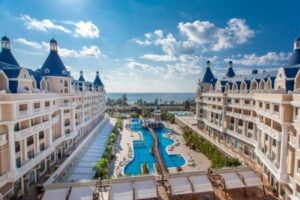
(218, 159)
(145, 169)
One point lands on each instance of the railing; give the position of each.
(3, 139)
(23, 112)
(3, 179)
(21, 134)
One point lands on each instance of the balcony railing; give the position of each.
(3, 139)
(19, 135)
(23, 112)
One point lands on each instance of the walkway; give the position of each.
(156, 152)
(83, 168)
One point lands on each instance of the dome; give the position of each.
(5, 38)
(53, 41)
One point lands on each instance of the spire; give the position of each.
(53, 65)
(295, 57)
(53, 45)
(6, 56)
(208, 76)
(97, 81)
(81, 78)
(230, 73)
(5, 42)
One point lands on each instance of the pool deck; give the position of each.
(195, 161)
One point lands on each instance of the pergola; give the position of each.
(143, 187)
(122, 190)
(180, 186)
(241, 179)
(201, 184)
(57, 194)
(79, 193)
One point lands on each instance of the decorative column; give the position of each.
(62, 123)
(73, 119)
(25, 149)
(12, 149)
(50, 136)
(259, 139)
(37, 141)
(283, 149)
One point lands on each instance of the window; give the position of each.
(247, 102)
(42, 147)
(268, 106)
(260, 104)
(240, 122)
(17, 146)
(274, 143)
(42, 166)
(18, 162)
(250, 125)
(52, 157)
(30, 154)
(30, 141)
(236, 101)
(266, 137)
(41, 135)
(276, 108)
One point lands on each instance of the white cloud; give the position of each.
(42, 25)
(33, 44)
(133, 65)
(91, 51)
(86, 29)
(159, 58)
(269, 59)
(208, 35)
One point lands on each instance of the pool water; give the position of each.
(142, 150)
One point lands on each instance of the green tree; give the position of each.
(101, 168)
(187, 105)
(124, 99)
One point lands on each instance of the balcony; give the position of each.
(270, 131)
(37, 110)
(22, 113)
(3, 139)
(293, 141)
(21, 134)
(55, 119)
(3, 179)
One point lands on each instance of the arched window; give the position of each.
(243, 86)
(234, 86)
(43, 84)
(262, 85)
(66, 84)
(227, 87)
(269, 85)
(253, 85)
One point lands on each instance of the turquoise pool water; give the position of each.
(142, 150)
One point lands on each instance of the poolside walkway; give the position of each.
(83, 168)
(194, 160)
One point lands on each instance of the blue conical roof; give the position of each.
(208, 76)
(295, 58)
(230, 73)
(53, 65)
(81, 78)
(97, 81)
(7, 57)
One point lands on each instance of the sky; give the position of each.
(152, 45)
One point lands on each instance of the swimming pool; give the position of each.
(142, 150)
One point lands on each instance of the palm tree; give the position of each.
(101, 168)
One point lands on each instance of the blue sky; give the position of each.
(152, 45)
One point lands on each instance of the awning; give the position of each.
(251, 178)
(145, 189)
(122, 191)
(180, 185)
(201, 184)
(232, 180)
(82, 193)
(57, 194)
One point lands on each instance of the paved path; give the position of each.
(83, 169)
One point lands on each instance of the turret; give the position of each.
(230, 73)
(295, 57)
(6, 55)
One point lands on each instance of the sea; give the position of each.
(150, 97)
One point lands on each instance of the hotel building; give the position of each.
(44, 115)
(257, 116)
